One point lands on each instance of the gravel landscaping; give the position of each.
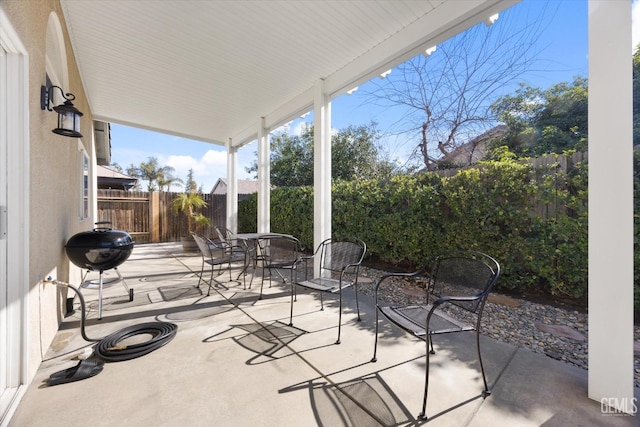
(555, 332)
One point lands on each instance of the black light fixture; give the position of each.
(68, 115)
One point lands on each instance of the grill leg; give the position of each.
(100, 297)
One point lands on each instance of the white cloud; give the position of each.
(210, 167)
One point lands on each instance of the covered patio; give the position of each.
(227, 73)
(234, 361)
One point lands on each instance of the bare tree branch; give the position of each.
(445, 97)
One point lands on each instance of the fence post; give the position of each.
(154, 217)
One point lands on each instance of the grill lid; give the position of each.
(99, 249)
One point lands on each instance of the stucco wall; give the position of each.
(54, 175)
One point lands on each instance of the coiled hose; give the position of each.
(109, 348)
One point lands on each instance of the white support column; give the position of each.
(321, 168)
(610, 205)
(232, 187)
(264, 179)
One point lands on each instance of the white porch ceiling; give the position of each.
(209, 70)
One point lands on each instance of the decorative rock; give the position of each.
(504, 300)
(560, 331)
(521, 323)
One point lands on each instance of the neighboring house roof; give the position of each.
(475, 149)
(111, 179)
(245, 186)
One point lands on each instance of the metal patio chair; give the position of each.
(340, 260)
(277, 252)
(215, 254)
(237, 247)
(458, 282)
(228, 240)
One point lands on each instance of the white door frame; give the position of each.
(14, 279)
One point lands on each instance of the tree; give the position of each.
(188, 203)
(190, 186)
(444, 98)
(354, 155)
(167, 180)
(156, 176)
(545, 121)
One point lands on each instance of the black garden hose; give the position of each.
(108, 348)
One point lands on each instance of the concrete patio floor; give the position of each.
(235, 362)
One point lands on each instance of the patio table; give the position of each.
(251, 247)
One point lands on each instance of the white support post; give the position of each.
(232, 187)
(321, 168)
(610, 206)
(264, 179)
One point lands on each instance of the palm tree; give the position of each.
(156, 176)
(167, 179)
(188, 203)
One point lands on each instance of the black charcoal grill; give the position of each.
(101, 249)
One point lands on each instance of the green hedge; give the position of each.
(493, 207)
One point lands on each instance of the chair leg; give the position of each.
(210, 281)
(244, 272)
(253, 273)
(201, 273)
(293, 285)
(339, 316)
(486, 391)
(375, 343)
(357, 303)
(423, 414)
(262, 281)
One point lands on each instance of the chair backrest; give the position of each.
(202, 243)
(208, 248)
(464, 273)
(279, 250)
(224, 234)
(337, 253)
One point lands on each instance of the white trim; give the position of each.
(610, 212)
(321, 169)
(264, 179)
(84, 179)
(15, 90)
(56, 57)
(232, 187)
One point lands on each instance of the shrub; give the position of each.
(533, 221)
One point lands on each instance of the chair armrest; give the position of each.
(387, 276)
(449, 298)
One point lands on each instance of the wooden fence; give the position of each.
(148, 217)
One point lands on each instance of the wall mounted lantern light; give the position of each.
(68, 115)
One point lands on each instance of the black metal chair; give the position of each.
(458, 282)
(237, 247)
(277, 252)
(215, 254)
(226, 236)
(340, 260)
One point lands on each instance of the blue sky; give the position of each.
(563, 54)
